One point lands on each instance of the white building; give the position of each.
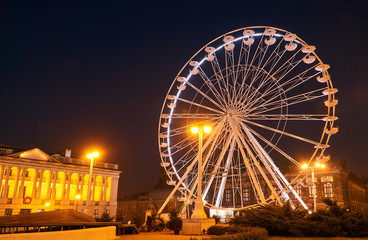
(33, 181)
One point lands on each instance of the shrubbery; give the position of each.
(334, 221)
(238, 233)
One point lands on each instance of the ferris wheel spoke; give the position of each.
(199, 105)
(219, 78)
(305, 97)
(207, 116)
(282, 132)
(273, 146)
(212, 89)
(288, 117)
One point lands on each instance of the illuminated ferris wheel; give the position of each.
(269, 99)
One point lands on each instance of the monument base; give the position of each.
(196, 226)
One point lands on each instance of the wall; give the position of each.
(101, 233)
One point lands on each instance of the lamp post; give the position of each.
(77, 197)
(311, 169)
(91, 156)
(198, 212)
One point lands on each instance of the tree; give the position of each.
(105, 217)
(175, 223)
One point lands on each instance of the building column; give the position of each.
(1, 177)
(63, 187)
(82, 183)
(93, 188)
(21, 189)
(49, 185)
(34, 184)
(114, 189)
(101, 188)
(40, 185)
(16, 183)
(54, 185)
(105, 189)
(68, 189)
(6, 184)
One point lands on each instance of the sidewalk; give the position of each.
(156, 236)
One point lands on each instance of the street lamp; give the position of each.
(198, 212)
(77, 197)
(311, 169)
(91, 156)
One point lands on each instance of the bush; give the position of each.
(251, 234)
(175, 223)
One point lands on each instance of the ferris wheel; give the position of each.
(269, 100)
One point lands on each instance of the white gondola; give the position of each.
(228, 39)
(331, 103)
(270, 41)
(181, 79)
(162, 135)
(229, 47)
(210, 57)
(171, 97)
(289, 37)
(290, 47)
(323, 79)
(322, 146)
(165, 116)
(210, 49)
(248, 33)
(165, 125)
(182, 87)
(165, 164)
(308, 49)
(170, 182)
(309, 59)
(332, 131)
(269, 32)
(323, 159)
(171, 105)
(195, 71)
(330, 91)
(182, 199)
(164, 144)
(330, 118)
(249, 41)
(322, 68)
(194, 63)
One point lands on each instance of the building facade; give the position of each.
(34, 181)
(335, 182)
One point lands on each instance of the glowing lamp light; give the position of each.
(194, 130)
(47, 204)
(93, 155)
(207, 129)
(318, 165)
(304, 166)
(78, 196)
(323, 166)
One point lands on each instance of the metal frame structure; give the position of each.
(262, 89)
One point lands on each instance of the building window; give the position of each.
(228, 196)
(95, 213)
(24, 211)
(310, 192)
(327, 189)
(246, 194)
(8, 211)
(298, 190)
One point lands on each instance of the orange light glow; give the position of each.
(318, 165)
(78, 197)
(207, 129)
(304, 166)
(194, 130)
(47, 204)
(93, 155)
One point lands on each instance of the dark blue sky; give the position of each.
(95, 73)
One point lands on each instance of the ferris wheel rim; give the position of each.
(331, 111)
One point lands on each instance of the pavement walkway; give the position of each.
(156, 236)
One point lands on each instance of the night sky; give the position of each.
(94, 74)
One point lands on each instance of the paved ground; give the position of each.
(170, 235)
(156, 236)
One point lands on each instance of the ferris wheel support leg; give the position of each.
(246, 162)
(276, 169)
